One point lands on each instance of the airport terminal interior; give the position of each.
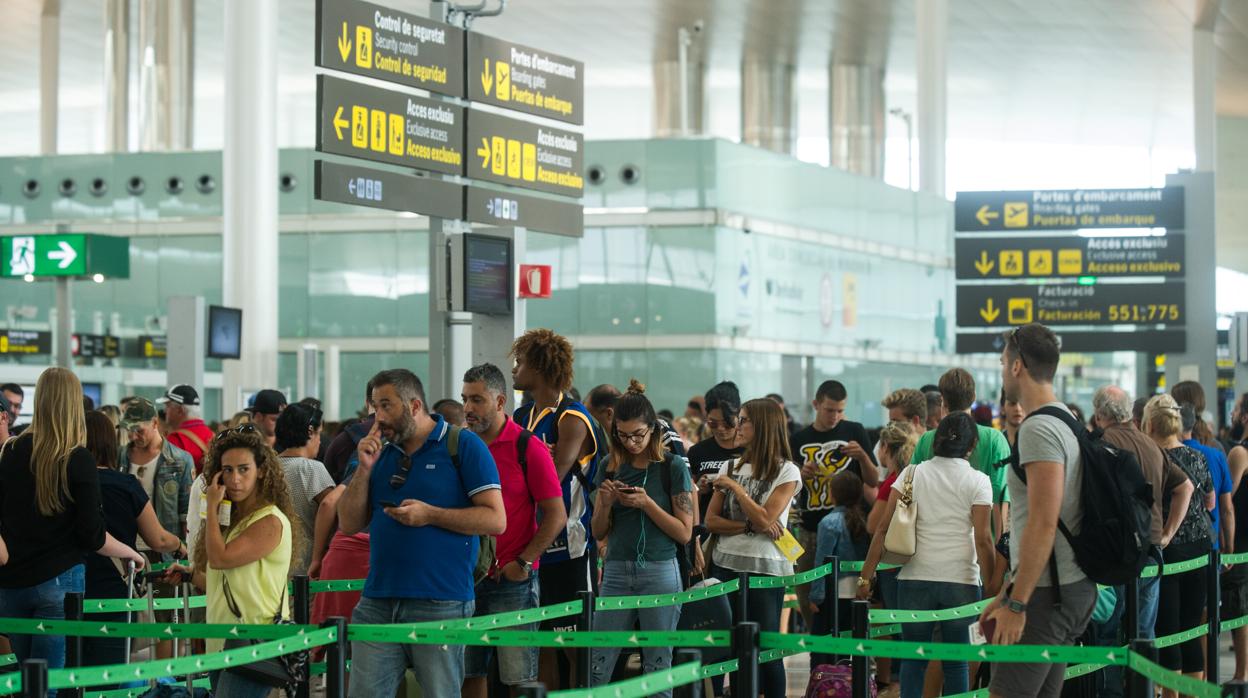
(862, 218)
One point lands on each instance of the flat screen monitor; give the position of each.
(487, 274)
(225, 332)
(93, 391)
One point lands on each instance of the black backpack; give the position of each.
(488, 545)
(1112, 544)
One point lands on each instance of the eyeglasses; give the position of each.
(635, 437)
(247, 428)
(716, 425)
(1018, 346)
(399, 479)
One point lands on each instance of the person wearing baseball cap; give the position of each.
(185, 425)
(265, 406)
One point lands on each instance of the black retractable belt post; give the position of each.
(1139, 685)
(689, 690)
(860, 670)
(35, 678)
(741, 613)
(301, 595)
(745, 647)
(336, 659)
(1238, 689)
(1213, 590)
(531, 689)
(73, 644)
(831, 599)
(584, 624)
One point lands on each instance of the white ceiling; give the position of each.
(1072, 72)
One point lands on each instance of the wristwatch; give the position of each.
(1015, 605)
(864, 583)
(525, 565)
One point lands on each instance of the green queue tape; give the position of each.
(1171, 679)
(773, 655)
(318, 668)
(792, 579)
(881, 615)
(96, 675)
(710, 672)
(1234, 623)
(876, 631)
(136, 692)
(1234, 558)
(514, 638)
(640, 686)
(616, 603)
(1043, 654)
(506, 619)
(856, 566)
(7, 659)
(86, 628)
(336, 585)
(91, 606)
(1177, 567)
(1183, 636)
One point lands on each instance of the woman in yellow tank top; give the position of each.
(242, 558)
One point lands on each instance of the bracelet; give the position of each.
(864, 583)
(749, 530)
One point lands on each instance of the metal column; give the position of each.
(932, 29)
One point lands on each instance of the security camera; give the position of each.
(698, 26)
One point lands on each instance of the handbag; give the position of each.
(902, 537)
(714, 613)
(279, 672)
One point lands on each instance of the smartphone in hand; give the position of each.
(387, 503)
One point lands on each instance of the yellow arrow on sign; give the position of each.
(989, 313)
(984, 265)
(487, 78)
(340, 123)
(983, 215)
(344, 43)
(484, 152)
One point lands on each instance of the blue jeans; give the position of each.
(228, 685)
(377, 667)
(1149, 591)
(516, 665)
(44, 601)
(930, 596)
(621, 578)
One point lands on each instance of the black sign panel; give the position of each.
(25, 342)
(378, 42)
(152, 347)
(982, 211)
(525, 79)
(1071, 304)
(372, 123)
(100, 346)
(495, 207)
(1070, 255)
(394, 191)
(1151, 341)
(523, 154)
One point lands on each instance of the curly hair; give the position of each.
(271, 487)
(548, 353)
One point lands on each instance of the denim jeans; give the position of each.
(516, 665)
(228, 685)
(377, 667)
(1149, 591)
(43, 601)
(621, 578)
(918, 595)
(763, 606)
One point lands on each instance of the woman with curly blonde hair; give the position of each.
(242, 559)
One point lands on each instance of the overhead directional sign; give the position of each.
(65, 254)
(152, 347)
(1068, 209)
(394, 191)
(525, 79)
(101, 346)
(1071, 304)
(533, 156)
(378, 42)
(382, 125)
(1070, 255)
(502, 208)
(1151, 341)
(25, 342)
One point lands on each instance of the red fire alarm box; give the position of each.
(535, 280)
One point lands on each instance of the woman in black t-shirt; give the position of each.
(128, 514)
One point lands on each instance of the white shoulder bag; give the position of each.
(902, 537)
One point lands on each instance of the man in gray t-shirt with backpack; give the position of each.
(1039, 605)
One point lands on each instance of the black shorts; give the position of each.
(559, 583)
(1235, 592)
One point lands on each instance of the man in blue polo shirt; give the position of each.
(418, 507)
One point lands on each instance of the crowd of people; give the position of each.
(461, 508)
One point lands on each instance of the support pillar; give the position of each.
(166, 73)
(769, 105)
(249, 191)
(49, 74)
(932, 29)
(668, 84)
(856, 118)
(116, 75)
(1204, 85)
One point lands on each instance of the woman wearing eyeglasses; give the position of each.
(645, 508)
(242, 562)
(748, 513)
(1181, 598)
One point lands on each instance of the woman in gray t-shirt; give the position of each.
(298, 434)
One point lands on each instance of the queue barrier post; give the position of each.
(860, 670)
(689, 690)
(583, 654)
(531, 689)
(831, 598)
(1213, 590)
(301, 596)
(336, 659)
(1238, 689)
(35, 678)
(73, 645)
(741, 613)
(745, 642)
(1139, 685)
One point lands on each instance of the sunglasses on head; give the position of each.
(240, 429)
(1018, 346)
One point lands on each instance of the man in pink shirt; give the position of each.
(533, 499)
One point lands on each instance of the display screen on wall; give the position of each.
(487, 275)
(225, 332)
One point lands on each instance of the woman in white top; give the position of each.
(748, 511)
(954, 549)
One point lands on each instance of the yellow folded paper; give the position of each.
(789, 547)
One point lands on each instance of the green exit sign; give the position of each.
(65, 254)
